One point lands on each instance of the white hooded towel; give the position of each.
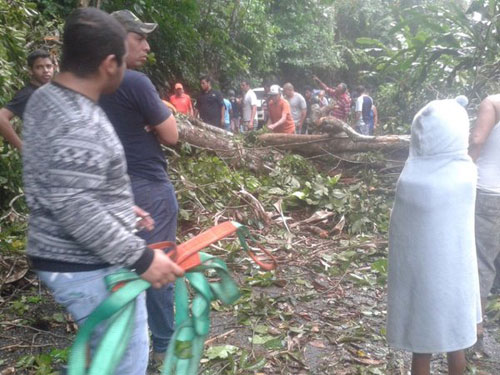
(433, 293)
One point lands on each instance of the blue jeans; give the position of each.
(158, 198)
(81, 292)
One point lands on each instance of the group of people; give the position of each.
(232, 114)
(94, 173)
(284, 109)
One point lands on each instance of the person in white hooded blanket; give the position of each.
(433, 286)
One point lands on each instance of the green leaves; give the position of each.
(43, 364)
(433, 50)
(183, 349)
(220, 351)
(204, 183)
(238, 360)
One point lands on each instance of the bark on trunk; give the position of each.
(319, 144)
(223, 143)
(338, 137)
(341, 139)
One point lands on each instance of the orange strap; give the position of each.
(265, 266)
(186, 254)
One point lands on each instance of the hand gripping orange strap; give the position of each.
(174, 252)
(186, 254)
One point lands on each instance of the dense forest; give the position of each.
(406, 52)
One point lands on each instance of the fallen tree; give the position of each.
(334, 136)
(338, 139)
(225, 145)
(319, 144)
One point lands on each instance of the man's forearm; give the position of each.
(302, 117)
(281, 121)
(252, 115)
(474, 151)
(485, 122)
(167, 132)
(276, 124)
(8, 132)
(320, 82)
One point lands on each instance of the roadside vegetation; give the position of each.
(323, 311)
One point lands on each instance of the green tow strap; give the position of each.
(186, 346)
(120, 306)
(192, 325)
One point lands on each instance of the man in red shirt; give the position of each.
(182, 101)
(342, 106)
(280, 117)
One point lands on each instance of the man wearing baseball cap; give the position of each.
(182, 101)
(280, 117)
(143, 123)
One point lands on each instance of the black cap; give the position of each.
(132, 23)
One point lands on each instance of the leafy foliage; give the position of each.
(10, 175)
(227, 39)
(204, 183)
(43, 364)
(431, 57)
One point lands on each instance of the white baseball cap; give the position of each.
(275, 90)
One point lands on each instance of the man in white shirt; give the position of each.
(298, 106)
(249, 106)
(365, 121)
(484, 149)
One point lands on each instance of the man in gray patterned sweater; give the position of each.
(82, 212)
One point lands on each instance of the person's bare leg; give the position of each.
(480, 328)
(421, 364)
(456, 362)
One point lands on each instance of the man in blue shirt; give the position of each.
(210, 104)
(41, 70)
(143, 123)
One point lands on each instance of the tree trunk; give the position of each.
(205, 136)
(319, 144)
(341, 140)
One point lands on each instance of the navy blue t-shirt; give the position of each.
(209, 106)
(18, 102)
(130, 109)
(367, 112)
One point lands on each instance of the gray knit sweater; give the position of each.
(76, 186)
